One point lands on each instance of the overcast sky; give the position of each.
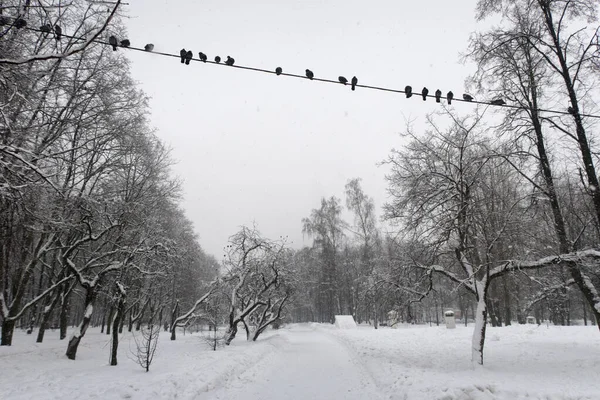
(255, 147)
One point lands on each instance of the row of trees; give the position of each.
(508, 215)
(89, 219)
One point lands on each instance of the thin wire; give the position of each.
(380, 88)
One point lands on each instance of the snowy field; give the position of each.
(316, 362)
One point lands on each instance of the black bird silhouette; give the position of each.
(57, 32)
(497, 102)
(202, 57)
(449, 97)
(278, 70)
(309, 74)
(424, 93)
(354, 82)
(408, 91)
(342, 80)
(125, 43)
(571, 110)
(217, 59)
(46, 28)
(188, 57)
(230, 61)
(20, 23)
(467, 97)
(149, 47)
(182, 54)
(113, 42)
(438, 95)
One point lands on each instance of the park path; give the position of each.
(309, 365)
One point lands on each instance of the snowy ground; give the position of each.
(317, 362)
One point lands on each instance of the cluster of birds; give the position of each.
(408, 91)
(187, 56)
(20, 23)
(114, 42)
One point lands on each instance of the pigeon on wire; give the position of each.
(149, 47)
(202, 57)
(230, 61)
(438, 95)
(125, 43)
(57, 32)
(354, 82)
(188, 57)
(217, 59)
(182, 55)
(497, 102)
(46, 28)
(449, 97)
(424, 93)
(20, 23)
(309, 74)
(342, 80)
(467, 97)
(278, 70)
(113, 42)
(408, 91)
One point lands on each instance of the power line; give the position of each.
(324, 80)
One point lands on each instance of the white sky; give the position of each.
(255, 147)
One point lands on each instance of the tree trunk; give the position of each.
(230, 334)
(87, 316)
(478, 340)
(64, 313)
(47, 311)
(8, 328)
(173, 318)
(115, 330)
(109, 319)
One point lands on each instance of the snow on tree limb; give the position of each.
(33, 301)
(212, 288)
(57, 56)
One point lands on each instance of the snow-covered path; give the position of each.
(310, 365)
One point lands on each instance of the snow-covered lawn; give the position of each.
(521, 362)
(316, 362)
(181, 368)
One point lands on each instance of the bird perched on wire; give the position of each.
(571, 110)
(424, 93)
(408, 91)
(342, 80)
(230, 61)
(188, 57)
(149, 47)
(113, 42)
(467, 97)
(354, 82)
(57, 33)
(217, 59)
(202, 56)
(125, 43)
(438, 95)
(20, 23)
(309, 74)
(449, 97)
(497, 102)
(46, 28)
(182, 54)
(278, 70)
